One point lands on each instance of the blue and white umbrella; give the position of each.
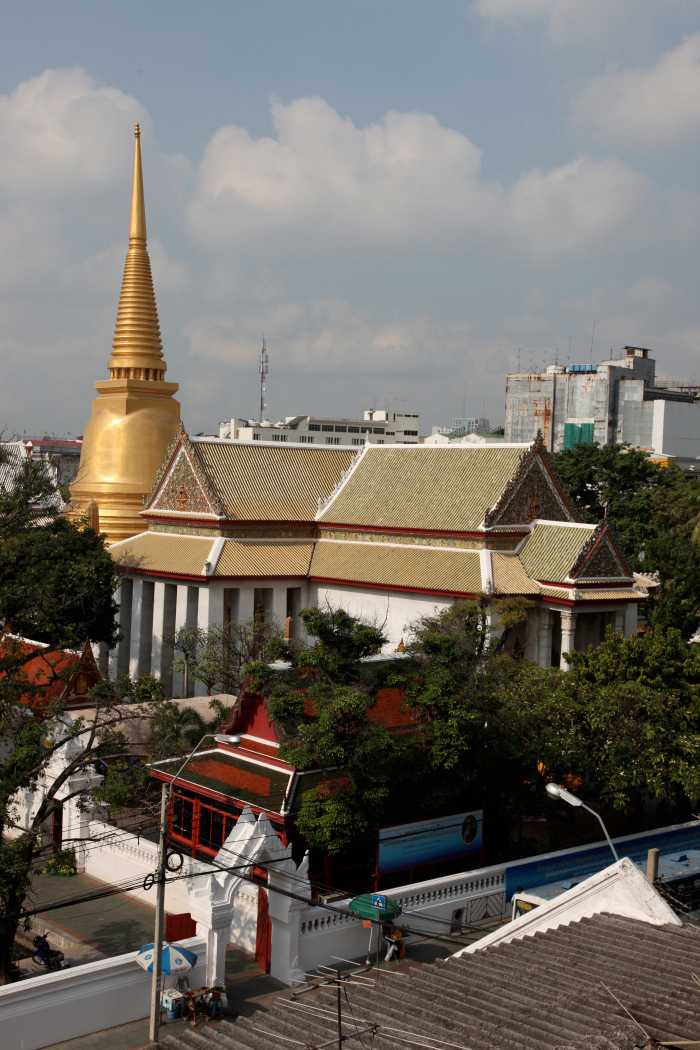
(174, 959)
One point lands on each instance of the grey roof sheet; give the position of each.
(546, 992)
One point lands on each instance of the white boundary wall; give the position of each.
(52, 1007)
(123, 856)
(426, 907)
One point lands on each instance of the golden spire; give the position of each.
(135, 415)
(137, 351)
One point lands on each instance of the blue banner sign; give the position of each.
(428, 841)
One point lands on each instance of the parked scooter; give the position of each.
(44, 956)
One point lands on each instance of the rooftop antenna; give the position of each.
(593, 328)
(263, 370)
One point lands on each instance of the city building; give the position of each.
(62, 453)
(464, 425)
(617, 401)
(378, 426)
(135, 415)
(14, 456)
(390, 533)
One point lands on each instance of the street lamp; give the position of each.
(166, 789)
(557, 791)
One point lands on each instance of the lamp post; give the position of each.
(166, 790)
(557, 791)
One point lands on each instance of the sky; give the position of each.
(407, 198)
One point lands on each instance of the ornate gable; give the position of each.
(534, 492)
(600, 559)
(182, 486)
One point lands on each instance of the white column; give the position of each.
(210, 611)
(180, 622)
(158, 625)
(136, 611)
(568, 636)
(286, 963)
(279, 604)
(544, 639)
(114, 653)
(214, 922)
(246, 604)
(631, 613)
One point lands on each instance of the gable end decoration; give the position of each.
(184, 486)
(533, 492)
(600, 558)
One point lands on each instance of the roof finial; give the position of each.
(137, 226)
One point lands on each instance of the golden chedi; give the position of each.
(134, 416)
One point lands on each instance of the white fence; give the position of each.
(432, 907)
(56, 1006)
(116, 855)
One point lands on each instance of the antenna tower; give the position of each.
(263, 370)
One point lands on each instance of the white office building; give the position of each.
(378, 426)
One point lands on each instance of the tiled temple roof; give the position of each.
(424, 487)
(413, 566)
(551, 549)
(266, 483)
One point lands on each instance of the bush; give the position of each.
(61, 863)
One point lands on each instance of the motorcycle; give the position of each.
(46, 957)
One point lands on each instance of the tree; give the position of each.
(622, 725)
(175, 730)
(635, 706)
(655, 513)
(217, 656)
(56, 586)
(321, 705)
(470, 696)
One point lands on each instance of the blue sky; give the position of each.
(399, 193)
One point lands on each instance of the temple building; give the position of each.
(135, 415)
(390, 533)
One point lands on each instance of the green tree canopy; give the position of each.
(654, 511)
(56, 586)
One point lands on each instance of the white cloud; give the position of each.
(407, 181)
(62, 130)
(652, 107)
(576, 207)
(390, 179)
(572, 21)
(380, 261)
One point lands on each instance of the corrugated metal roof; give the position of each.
(607, 982)
(264, 559)
(164, 552)
(404, 565)
(550, 551)
(269, 483)
(430, 487)
(509, 576)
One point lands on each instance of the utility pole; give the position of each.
(339, 1008)
(154, 1025)
(263, 370)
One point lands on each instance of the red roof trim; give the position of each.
(199, 579)
(473, 534)
(216, 522)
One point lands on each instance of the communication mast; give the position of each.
(263, 370)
